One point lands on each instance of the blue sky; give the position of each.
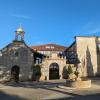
(49, 21)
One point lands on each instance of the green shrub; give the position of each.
(70, 70)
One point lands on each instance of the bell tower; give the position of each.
(19, 34)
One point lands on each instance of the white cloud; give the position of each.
(20, 16)
(89, 29)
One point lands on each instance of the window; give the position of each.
(52, 47)
(47, 46)
(0, 53)
(38, 61)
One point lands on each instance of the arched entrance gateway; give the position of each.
(54, 71)
(15, 73)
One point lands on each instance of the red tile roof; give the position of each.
(48, 47)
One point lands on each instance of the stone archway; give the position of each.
(54, 71)
(15, 73)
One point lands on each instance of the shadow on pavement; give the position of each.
(50, 86)
(34, 84)
(73, 96)
(77, 97)
(95, 80)
(5, 96)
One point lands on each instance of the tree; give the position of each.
(36, 72)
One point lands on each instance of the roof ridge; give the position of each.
(44, 48)
(47, 45)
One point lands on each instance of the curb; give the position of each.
(65, 87)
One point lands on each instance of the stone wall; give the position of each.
(98, 56)
(48, 61)
(87, 54)
(23, 59)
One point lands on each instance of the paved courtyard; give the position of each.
(49, 90)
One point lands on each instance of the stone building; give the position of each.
(48, 49)
(85, 52)
(18, 58)
(53, 65)
(36, 62)
(49, 61)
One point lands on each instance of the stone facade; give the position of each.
(87, 50)
(18, 59)
(54, 64)
(84, 53)
(17, 54)
(46, 66)
(27, 63)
